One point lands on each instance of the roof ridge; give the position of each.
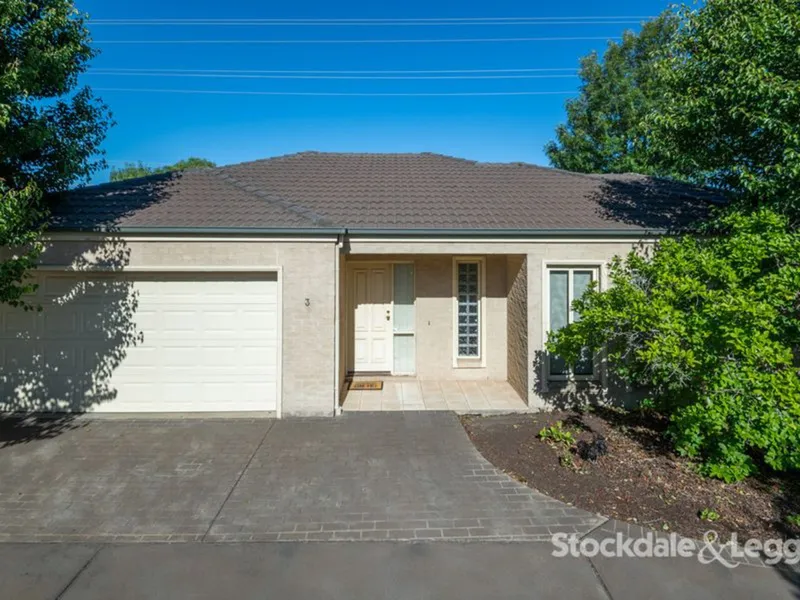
(301, 153)
(426, 153)
(308, 214)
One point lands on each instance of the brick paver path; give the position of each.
(366, 476)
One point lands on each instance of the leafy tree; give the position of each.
(605, 130)
(730, 116)
(132, 170)
(710, 325)
(50, 131)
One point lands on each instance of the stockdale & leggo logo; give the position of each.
(707, 551)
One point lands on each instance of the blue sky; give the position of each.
(159, 128)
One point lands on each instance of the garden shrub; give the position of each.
(710, 326)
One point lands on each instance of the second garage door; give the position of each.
(161, 343)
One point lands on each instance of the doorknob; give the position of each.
(388, 316)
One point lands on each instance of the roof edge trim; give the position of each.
(484, 233)
(287, 231)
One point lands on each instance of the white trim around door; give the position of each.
(370, 289)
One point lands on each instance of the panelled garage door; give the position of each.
(144, 343)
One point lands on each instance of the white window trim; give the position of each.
(600, 271)
(465, 362)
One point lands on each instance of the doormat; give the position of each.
(366, 385)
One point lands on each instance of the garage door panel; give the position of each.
(176, 342)
(257, 358)
(241, 359)
(62, 323)
(180, 321)
(20, 325)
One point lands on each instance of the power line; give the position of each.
(357, 24)
(386, 20)
(408, 41)
(379, 72)
(349, 77)
(245, 93)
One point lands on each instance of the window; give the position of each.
(468, 309)
(404, 317)
(565, 285)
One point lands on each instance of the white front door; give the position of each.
(372, 305)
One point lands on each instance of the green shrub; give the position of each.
(710, 326)
(557, 434)
(708, 514)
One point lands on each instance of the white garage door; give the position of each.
(140, 343)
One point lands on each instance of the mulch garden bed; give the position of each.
(639, 480)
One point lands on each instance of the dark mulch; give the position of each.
(640, 480)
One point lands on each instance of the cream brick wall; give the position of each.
(538, 253)
(435, 316)
(310, 378)
(547, 395)
(308, 276)
(518, 325)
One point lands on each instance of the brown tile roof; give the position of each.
(315, 191)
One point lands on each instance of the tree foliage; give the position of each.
(710, 324)
(50, 131)
(605, 130)
(132, 170)
(730, 116)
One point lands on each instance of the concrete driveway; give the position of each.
(382, 477)
(368, 476)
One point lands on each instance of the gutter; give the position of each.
(304, 231)
(502, 233)
(376, 232)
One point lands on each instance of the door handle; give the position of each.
(388, 316)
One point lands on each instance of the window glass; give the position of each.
(403, 298)
(559, 313)
(581, 281)
(403, 323)
(404, 361)
(468, 310)
(565, 286)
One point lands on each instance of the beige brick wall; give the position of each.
(518, 325)
(543, 394)
(308, 274)
(436, 320)
(435, 316)
(538, 253)
(310, 377)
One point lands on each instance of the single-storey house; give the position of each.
(265, 286)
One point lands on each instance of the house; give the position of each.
(261, 287)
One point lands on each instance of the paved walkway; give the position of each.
(410, 393)
(365, 476)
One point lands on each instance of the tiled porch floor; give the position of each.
(408, 393)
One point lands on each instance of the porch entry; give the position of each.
(382, 304)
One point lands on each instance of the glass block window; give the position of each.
(567, 284)
(469, 325)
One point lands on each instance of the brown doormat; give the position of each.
(366, 385)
